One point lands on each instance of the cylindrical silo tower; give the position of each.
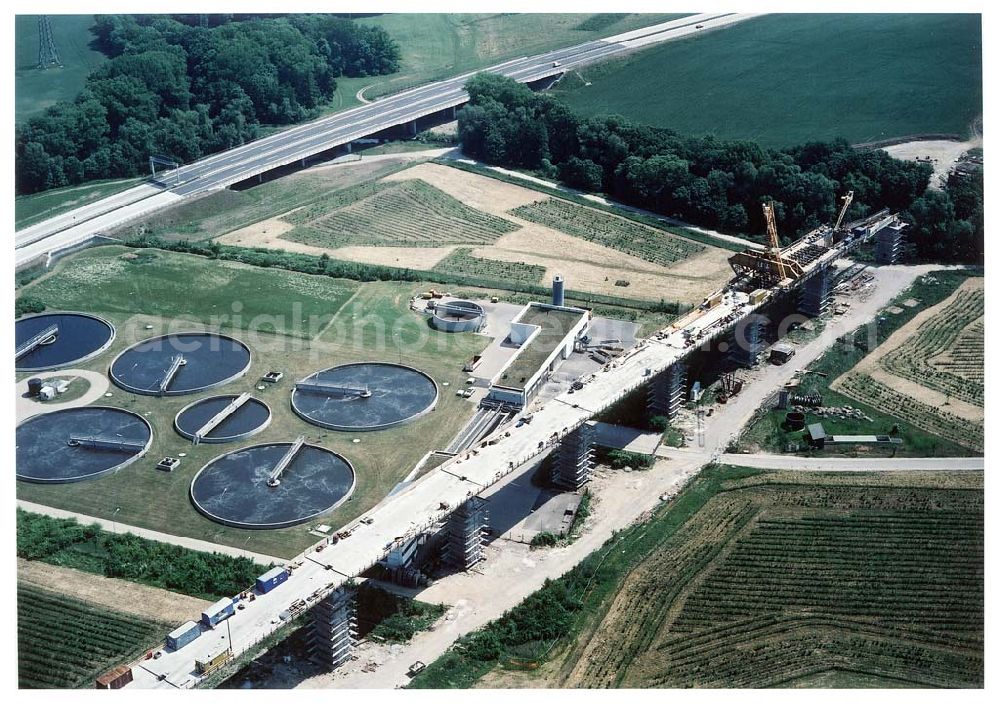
(558, 294)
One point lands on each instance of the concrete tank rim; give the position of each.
(231, 438)
(88, 357)
(97, 474)
(142, 391)
(369, 428)
(474, 308)
(276, 525)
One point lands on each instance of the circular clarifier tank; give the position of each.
(77, 444)
(458, 316)
(272, 485)
(365, 396)
(223, 418)
(177, 364)
(59, 339)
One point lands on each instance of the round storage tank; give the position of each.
(364, 397)
(223, 418)
(34, 387)
(795, 421)
(458, 316)
(177, 364)
(59, 339)
(77, 444)
(239, 488)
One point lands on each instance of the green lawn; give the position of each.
(786, 79)
(438, 45)
(221, 294)
(34, 89)
(373, 325)
(32, 209)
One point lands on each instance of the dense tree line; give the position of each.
(705, 180)
(183, 90)
(89, 548)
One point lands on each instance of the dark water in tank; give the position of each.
(211, 359)
(248, 417)
(43, 452)
(233, 488)
(79, 336)
(397, 392)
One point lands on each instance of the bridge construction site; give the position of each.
(446, 499)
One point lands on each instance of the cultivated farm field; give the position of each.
(758, 79)
(644, 242)
(930, 371)
(37, 89)
(431, 216)
(66, 643)
(382, 213)
(779, 579)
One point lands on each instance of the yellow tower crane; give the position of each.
(772, 233)
(846, 199)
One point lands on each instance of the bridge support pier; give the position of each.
(815, 294)
(666, 392)
(466, 532)
(575, 458)
(412, 128)
(748, 340)
(334, 628)
(887, 244)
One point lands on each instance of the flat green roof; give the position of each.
(555, 325)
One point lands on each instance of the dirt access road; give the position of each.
(512, 571)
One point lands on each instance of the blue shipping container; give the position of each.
(185, 634)
(272, 579)
(217, 612)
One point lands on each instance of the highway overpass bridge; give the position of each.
(423, 505)
(297, 144)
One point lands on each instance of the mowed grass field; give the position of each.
(63, 642)
(758, 579)
(440, 45)
(34, 89)
(373, 325)
(788, 79)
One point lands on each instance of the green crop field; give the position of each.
(373, 325)
(646, 243)
(63, 642)
(461, 261)
(760, 579)
(787, 79)
(438, 45)
(946, 353)
(382, 213)
(35, 89)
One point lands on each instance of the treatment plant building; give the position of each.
(545, 335)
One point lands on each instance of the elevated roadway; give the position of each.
(299, 143)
